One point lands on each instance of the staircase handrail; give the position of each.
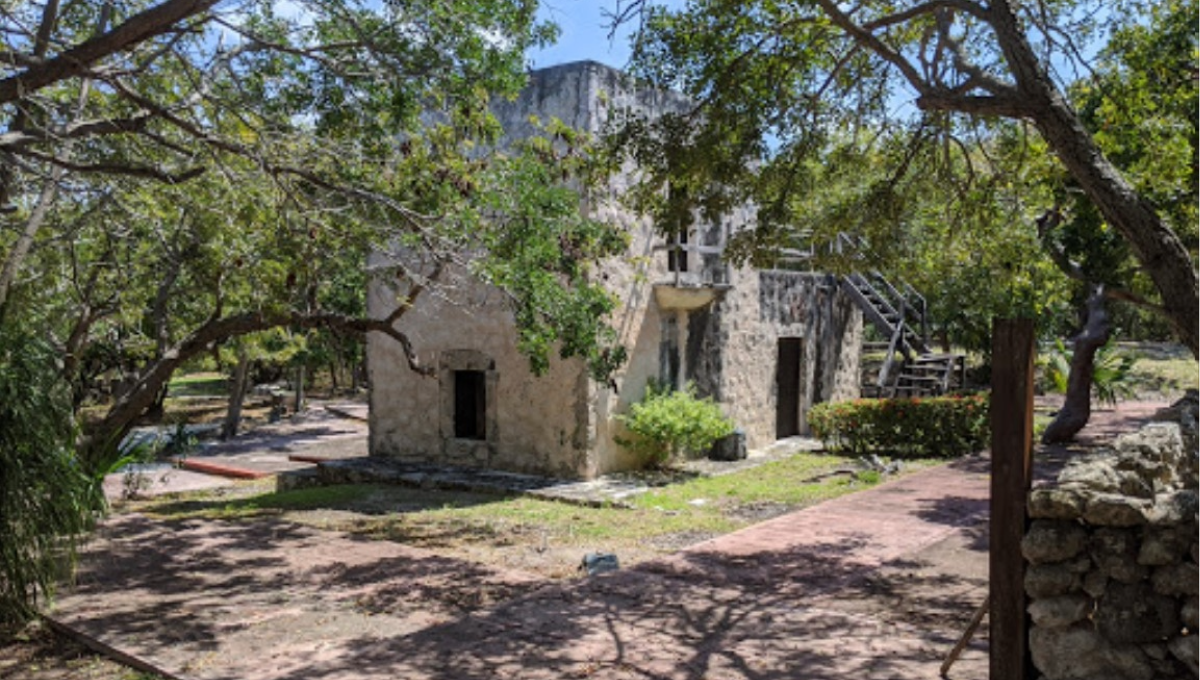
(922, 308)
(897, 342)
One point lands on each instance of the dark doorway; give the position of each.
(470, 405)
(787, 385)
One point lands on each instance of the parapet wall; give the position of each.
(1111, 559)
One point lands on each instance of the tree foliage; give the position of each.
(787, 93)
(179, 174)
(47, 498)
(212, 171)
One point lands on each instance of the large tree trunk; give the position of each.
(1077, 408)
(1155, 245)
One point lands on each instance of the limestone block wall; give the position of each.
(1111, 556)
(564, 424)
(535, 424)
(733, 346)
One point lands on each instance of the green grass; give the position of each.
(199, 385)
(1162, 370)
(447, 520)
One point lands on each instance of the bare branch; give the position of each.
(872, 42)
(1007, 105)
(129, 170)
(89, 128)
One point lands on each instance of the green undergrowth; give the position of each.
(1162, 371)
(446, 520)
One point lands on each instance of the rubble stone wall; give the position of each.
(1111, 559)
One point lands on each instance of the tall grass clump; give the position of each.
(47, 500)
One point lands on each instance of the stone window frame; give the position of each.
(451, 361)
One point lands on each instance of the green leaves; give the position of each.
(669, 423)
(940, 427)
(533, 243)
(47, 499)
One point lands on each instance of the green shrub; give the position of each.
(1112, 372)
(668, 424)
(916, 427)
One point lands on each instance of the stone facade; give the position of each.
(726, 330)
(1111, 556)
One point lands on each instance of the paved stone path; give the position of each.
(876, 584)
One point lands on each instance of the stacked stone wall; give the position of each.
(1111, 559)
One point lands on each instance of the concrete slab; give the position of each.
(158, 482)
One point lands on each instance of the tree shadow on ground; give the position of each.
(269, 599)
(812, 613)
(181, 590)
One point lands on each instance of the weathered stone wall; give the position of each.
(536, 424)
(1112, 559)
(562, 423)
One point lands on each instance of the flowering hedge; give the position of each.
(916, 427)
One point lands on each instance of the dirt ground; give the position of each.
(900, 592)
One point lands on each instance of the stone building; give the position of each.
(765, 344)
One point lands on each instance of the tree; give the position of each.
(778, 82)
(47, 500)
(250, 156)
(176, 175)
(1140, 102)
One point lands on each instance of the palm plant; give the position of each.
(1111, 377)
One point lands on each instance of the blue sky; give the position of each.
(583, 34)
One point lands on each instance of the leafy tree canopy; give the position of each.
(954, 96)
(186, 171)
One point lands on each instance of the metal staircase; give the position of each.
(910, 368)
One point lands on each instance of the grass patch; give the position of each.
(199, 385)
(540, 535)
(1162, 371)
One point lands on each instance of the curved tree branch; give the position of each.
(77, 60)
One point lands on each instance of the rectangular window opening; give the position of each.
(677, 258)
(470, 405)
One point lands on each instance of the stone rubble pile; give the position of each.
(1111, 559)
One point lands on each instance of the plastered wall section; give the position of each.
(535, 424)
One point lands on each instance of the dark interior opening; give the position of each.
(470, 405)
(787, 383)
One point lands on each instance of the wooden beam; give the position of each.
(1012, 445)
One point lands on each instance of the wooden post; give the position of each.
(1012, 444)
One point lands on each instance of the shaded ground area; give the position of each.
(876, 584)
(827, 591)
(323, 432)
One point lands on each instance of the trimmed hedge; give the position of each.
(915, 427)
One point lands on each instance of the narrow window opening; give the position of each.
(677, 258)
(470, 405)
(681, 209)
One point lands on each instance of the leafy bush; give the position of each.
(670, 423)
(914, 427)
(1112, 373)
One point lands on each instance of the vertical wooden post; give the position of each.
(1012, 443)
